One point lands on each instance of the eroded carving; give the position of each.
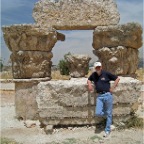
(118, 60)
(31, 37)
(31, 64)
(78, 65)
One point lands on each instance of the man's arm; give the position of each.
(115, 84)
(90, 87)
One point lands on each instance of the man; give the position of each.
(104, 102)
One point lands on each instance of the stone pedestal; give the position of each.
(78, 65)
(69, 102)
(25, 98)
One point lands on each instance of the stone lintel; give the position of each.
(76, 14)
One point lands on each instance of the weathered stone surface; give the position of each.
(30, 37)
(29, 123)
(78, 65)
(117, 120)
(124, 110)
(75, 14)
(129, 35)
(118, 60)
(69, 102)
(61, 112)
(128, 91)
(31, 64)
(65, 93)
(25, 101)
(49, 129)
(25, 98)
(72, 121)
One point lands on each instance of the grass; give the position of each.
(95, 137)
(6, 75)
(135, 122)
(57, 76)
(69, 141)
(140, 74)
(7, 141)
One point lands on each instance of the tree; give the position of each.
(63, 65)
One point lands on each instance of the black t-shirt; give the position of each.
(102, 82)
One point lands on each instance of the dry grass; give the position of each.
(140, 74)
(6, 75)
(57, 76)
(135, 122)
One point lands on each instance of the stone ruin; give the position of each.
(78, 65)
(31, 48)
(68, 101)
(117, 47)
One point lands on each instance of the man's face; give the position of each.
(98, 69)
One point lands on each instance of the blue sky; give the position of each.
(20, 11)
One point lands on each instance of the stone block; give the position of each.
(49, 129)
(67, 93)
(128, 35)
(71, 121)
(75, 14)
(30, 37)
(128, 91)
(121, 110)
(31, 64)
(66, 112)
(78, 65)
(25, 98)
(69, 102)
(118, 60)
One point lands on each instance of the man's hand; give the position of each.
(111, 90)
(115, 84)
(90, 87)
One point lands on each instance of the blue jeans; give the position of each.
(104, 105)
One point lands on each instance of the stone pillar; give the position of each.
(31, 50)
(31, 63)
(78, 65)
(117, 47)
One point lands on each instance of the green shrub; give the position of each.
(63, 65)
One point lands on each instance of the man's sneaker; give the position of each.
(106, 134)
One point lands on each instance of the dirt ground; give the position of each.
(14, 129)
